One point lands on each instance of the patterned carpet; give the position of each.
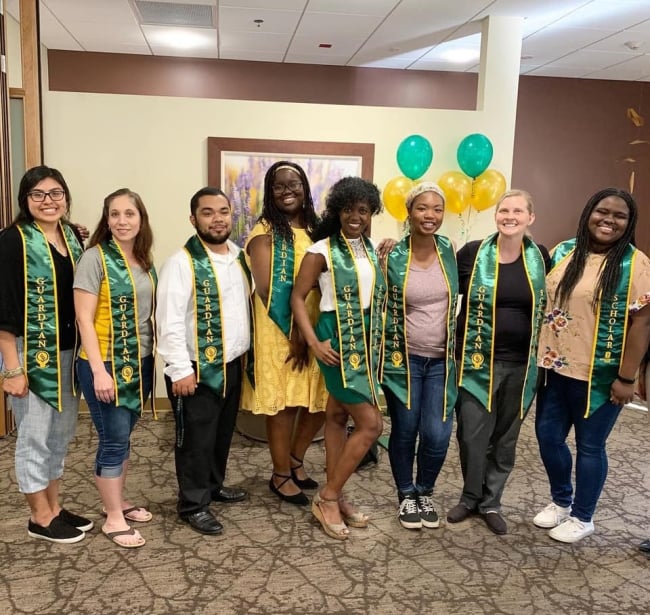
(273, 558)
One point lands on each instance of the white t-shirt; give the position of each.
(364, 267)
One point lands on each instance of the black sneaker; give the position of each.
(57, 531)
(409, 514)
(428, 513)
(81, 523)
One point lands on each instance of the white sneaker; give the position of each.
(572, 530)
(552, 516)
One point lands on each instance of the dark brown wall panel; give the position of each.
(572, 138)
(75, 71)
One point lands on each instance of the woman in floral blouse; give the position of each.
(595, 333)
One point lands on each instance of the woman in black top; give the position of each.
(502, 283)
(38, 337)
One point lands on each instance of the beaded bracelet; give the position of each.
(12, 373)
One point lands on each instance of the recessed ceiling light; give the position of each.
(182, 39)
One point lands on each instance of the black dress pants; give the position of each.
(208, 422)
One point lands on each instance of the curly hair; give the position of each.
(144, 238)
(344, 193)
(272, 215)
(611, 270)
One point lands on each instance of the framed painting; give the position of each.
(238, 166)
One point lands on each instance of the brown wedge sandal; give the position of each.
(338, 531)
(356, 518)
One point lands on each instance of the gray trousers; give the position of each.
(488, 440)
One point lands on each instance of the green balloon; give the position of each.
(414, 156)
(474, 154)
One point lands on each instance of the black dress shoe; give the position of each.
(645, 546)
(299, 499)
(458, 513)
(229, 495)
(495, 522)
(204, 522)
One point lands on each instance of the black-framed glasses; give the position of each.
(38, 196)
(294, 186)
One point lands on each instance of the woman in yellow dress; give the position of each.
(287, 377)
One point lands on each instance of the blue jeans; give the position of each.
(561, 404)
(114, 424)
(425, 418)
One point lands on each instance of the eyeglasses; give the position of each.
(294, 186)
(38, 196)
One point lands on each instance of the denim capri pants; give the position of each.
(114, 424)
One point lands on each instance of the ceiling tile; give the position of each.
(608, 15)
(241, 20)
(353, 7)
(58, 36)
(590, 60)
(291, 5)
(324, 25)
(100, 11)
(305, 58)
(250, 41)
(252, 56)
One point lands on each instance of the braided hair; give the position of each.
(611, 270)
(270, 212)
(344, 193)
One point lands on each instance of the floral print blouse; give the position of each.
(566, 338)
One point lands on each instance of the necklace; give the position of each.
(357, 247)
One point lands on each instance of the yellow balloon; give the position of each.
(394, 196)
(487, 189)
(458, 190)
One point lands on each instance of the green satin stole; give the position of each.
(360, 350)
(477, 362)
(395, 370)
(41, 334)
(278, 304)
(611, 328)
(124, 344)
(209, 342)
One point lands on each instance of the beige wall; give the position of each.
(14, 67)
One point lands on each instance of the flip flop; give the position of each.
(127, 512)
(113, 537)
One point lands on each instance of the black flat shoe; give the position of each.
(203, 522)
(645, 546)
(308, 483)
(229, 495)
(299, 499)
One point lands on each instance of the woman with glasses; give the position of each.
(114, 288)
(289, 389)
(38, 337)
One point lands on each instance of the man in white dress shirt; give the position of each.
(203, 324)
